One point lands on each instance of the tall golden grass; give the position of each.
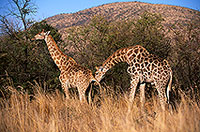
(53, 113)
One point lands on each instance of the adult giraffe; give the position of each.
(143, 67)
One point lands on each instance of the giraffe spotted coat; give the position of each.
(72, 74)
(143, 67)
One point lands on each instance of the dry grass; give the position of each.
(51, 112)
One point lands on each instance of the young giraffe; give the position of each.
(143, 67)
(72, 74)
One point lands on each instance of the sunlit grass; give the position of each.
(52, 112)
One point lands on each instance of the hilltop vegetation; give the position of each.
(123, 11)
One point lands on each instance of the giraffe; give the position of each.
(143, 67)
(71, 74)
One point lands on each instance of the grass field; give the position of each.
(53, 113)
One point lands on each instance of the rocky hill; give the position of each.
(123, 10)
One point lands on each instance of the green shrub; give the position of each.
(186, 57)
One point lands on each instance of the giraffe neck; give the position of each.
(115, 58)
(129, 55)
(61, 60)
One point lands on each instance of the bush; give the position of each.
(186, 57)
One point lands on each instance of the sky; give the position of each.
(48, 8)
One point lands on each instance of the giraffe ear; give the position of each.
(96, 68)
(47, 33)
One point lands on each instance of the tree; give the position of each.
(16, 22)
(25, 60)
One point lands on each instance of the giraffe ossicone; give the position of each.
(143, 67)
(71, 74)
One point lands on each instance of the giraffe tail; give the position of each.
(169, 86)
(98, 83)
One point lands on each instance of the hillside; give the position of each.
(123, 10)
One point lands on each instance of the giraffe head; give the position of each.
(41, 35)
(99, 74)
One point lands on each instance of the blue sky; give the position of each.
(47, 8)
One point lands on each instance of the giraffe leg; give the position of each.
(162, 96)
(65, 88)
(142, 94)
(81, 91)
(134, 82)
(66, 92)
(81, 94)
(65, 85)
